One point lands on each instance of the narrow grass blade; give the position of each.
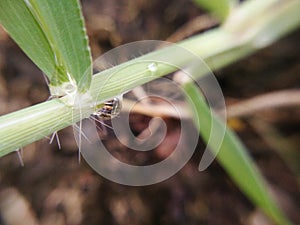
(23, 28)
(233, 156)
(219, 8)
(52, 34)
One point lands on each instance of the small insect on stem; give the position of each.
(110, 109)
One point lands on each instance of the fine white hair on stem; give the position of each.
(79, 141)
(79, 129)
(100, 121)
(55, 135)
(78, 134)
(19, 152)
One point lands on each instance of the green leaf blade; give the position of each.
(55, 40)
(219, 8)
(22, 27)
(233, 156)
(66, 30)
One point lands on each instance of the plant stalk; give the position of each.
(218, 48)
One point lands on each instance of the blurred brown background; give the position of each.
(53, 188)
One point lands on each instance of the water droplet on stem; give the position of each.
(152, 67)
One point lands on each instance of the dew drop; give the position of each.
(152, 67)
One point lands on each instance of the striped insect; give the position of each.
(110, 109)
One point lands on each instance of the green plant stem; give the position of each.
(25, 126)
(218, 48)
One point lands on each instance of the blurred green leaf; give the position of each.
(52, 34)
(232, 155)
(219, 8)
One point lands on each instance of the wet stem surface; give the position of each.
(53, 188)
